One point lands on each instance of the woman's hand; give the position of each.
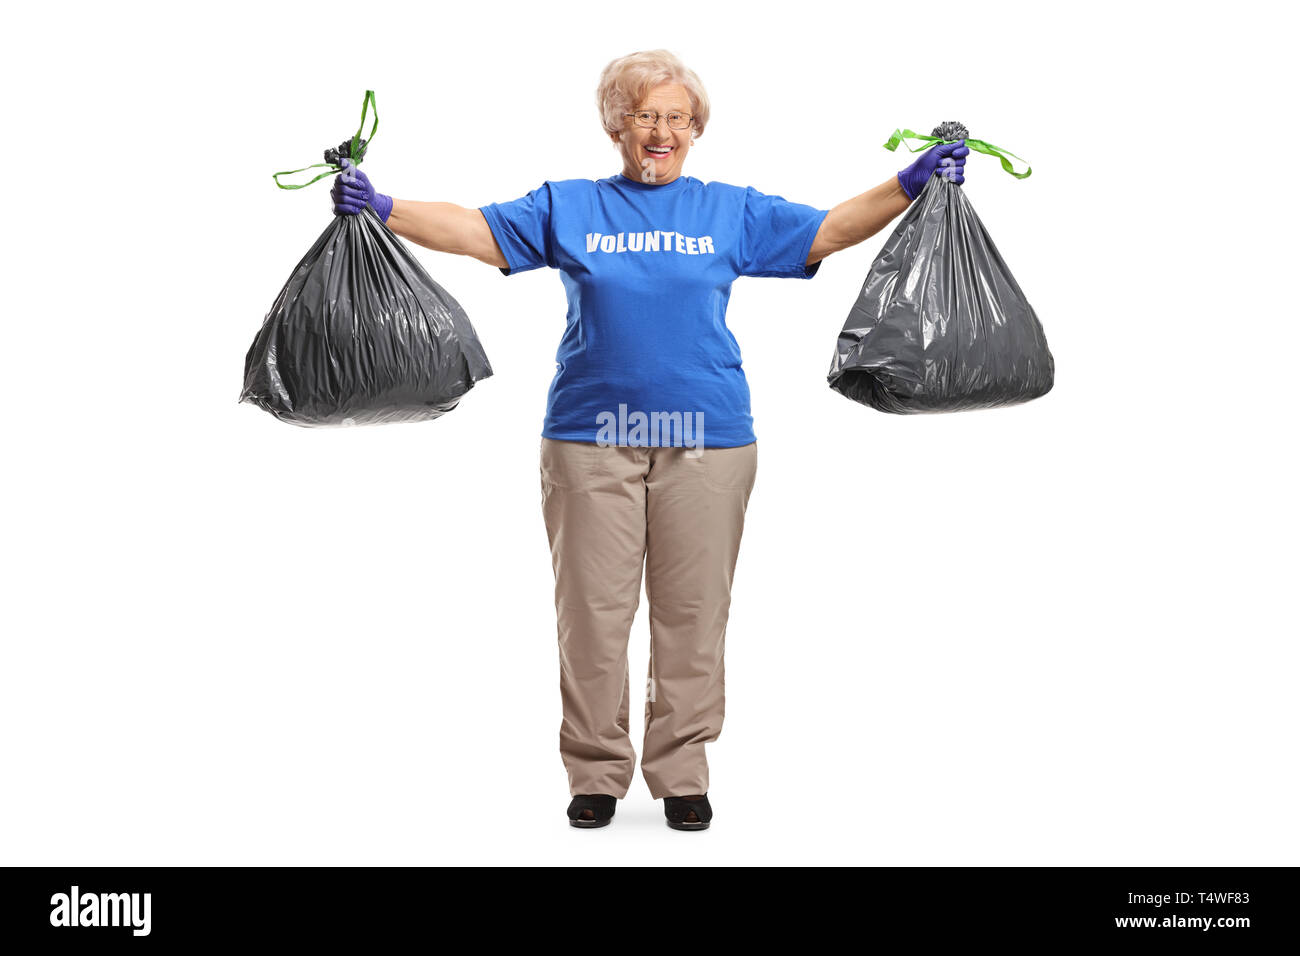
(352, 192)
(949, 159)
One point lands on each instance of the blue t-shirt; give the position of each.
(646, 358)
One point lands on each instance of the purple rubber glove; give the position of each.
(352, 192)
(949, 159)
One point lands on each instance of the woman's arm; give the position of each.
(862, 216)
(440, 226)
(858, 218)
(446, 227)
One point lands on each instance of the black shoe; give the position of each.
(592, 810)
(688, 813)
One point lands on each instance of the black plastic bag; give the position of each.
(940, 324)
(360, 334)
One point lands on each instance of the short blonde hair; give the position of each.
(626, 80)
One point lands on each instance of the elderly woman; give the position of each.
(648, 452)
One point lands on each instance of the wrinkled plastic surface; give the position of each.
(941, 324)
(361, 335)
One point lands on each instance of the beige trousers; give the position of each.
(610, 510)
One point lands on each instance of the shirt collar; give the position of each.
(622, 179)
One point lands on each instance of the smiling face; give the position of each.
(656, 155)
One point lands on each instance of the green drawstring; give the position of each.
(367, 105)
(900, 135)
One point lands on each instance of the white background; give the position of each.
(1061, 633)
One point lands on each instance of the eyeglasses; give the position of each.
(650, 119)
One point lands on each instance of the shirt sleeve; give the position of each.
(777, 236)
(522, 228)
